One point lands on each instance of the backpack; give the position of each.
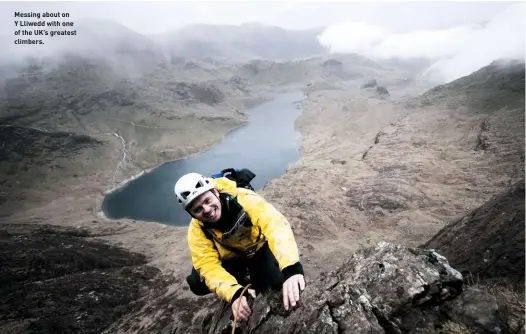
(241, 176)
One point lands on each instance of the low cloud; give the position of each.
(455, 52)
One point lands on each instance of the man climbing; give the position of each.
(234, 229)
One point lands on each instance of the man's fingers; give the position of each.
(246, 308)
(291, 290)
(285, 296)
(244, 305)
(240, 314)
(302, 283)
(235, 308)
(296, 291)
(291, 293)
(243, 315)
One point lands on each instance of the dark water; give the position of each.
(267, 145)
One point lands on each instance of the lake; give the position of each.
(267, 145)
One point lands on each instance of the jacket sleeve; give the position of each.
(206, 262)
(278, 232)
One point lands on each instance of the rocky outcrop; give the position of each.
(332, 63)
(382, 91)
(489, 241)
(196, 93)
(487, 246)
(387, 288)
(370, 84)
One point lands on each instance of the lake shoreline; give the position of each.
(103, 207)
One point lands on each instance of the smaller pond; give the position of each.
(267, 146)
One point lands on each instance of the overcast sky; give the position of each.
(156, 17)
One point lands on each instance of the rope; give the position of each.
(237, 309)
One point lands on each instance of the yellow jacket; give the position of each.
(267, 225)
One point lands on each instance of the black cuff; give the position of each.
(292, 270)
(236, 295)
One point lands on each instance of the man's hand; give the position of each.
(244, 309)
(291, 290)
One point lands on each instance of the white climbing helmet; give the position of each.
(190, 186)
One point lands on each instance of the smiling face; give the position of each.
(207, 207)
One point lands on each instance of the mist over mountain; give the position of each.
(236, 44)
(453, 52)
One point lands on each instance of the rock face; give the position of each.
(332, 62)
(382, 91)
(489, 241)
(487, 246)
(370, 84)
(387, 288)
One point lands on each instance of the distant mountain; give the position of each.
(501, 74)
(126, 51)
(338, 67)
(80, 94)
(494, 96)
(238, 44)
(500, 84)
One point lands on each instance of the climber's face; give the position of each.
(207, 207)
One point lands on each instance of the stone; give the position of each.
(386, 288)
